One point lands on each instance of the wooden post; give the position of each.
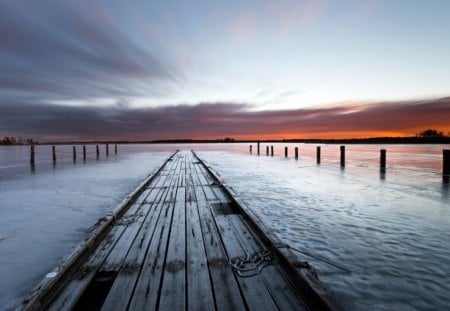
(74, 153)
(107, 150)
(271, 151)
(285, 152)
(258, 147)
(446, 165)
(342, 156)
(115, 148)
(251, 149)
(97, 151)
(383, 159)
(267, 150)
(84, 152)
(318, 154)
(296, 153)
(32, 154)
(54, 153)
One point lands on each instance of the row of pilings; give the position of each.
(445, 158)
(74, 152)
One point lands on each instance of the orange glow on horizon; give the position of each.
(327, 135)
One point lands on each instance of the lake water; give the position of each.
(385, 234)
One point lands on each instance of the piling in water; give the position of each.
(383, 159)
(115, 148)
(296, 153)
(342, 156)
(285, 152)
(271, 150)
(74, 152)
(32, 154)
(54, 153)
(258, 147)
(251, 149)
(107, 150)
(318, 154)
(446, 165)
(97, 150)
(84, 152)
(267, 150)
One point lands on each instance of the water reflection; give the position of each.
(382, 173)
(33, 168)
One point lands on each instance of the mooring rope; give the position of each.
(251, 265)
(320, 259)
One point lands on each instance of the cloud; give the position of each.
(216, 120)
(71, 49)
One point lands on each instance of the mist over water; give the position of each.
(390, 230)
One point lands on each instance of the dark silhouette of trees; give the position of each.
(430, 133)
(8, 141)
(16, 141)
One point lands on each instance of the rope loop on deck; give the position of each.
(251, 265)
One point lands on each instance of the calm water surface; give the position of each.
(390, 231)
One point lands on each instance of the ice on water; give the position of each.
(390, 231)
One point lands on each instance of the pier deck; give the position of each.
(183, 242)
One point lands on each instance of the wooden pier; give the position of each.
(182, 241)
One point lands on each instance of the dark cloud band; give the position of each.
(215, 120)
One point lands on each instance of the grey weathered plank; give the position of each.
(150, 234)
(133, 220)
(226, 289)
(220, 194)
(200, 296)
(174, 278)
(115, 258)
(256, 294)
(206, 181)
(273, 278)
(68, 297)
(145, 296)
(215, 187)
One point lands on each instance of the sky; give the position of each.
(147, 70)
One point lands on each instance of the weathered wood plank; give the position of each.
(134, 265)
(273, 278)
(220, 194)
(226, 289)
(256, 295)
(133, 221)
(115, 258)
(145, 296)
(74, 288)
(173, 290)
(255, 292)
(190, 187)
(205, 181)
(72, 291)
(200, 296)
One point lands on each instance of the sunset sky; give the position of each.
(135, 70)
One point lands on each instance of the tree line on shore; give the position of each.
(17, 141)
(426, 136)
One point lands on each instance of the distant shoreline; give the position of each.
(375, 140)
